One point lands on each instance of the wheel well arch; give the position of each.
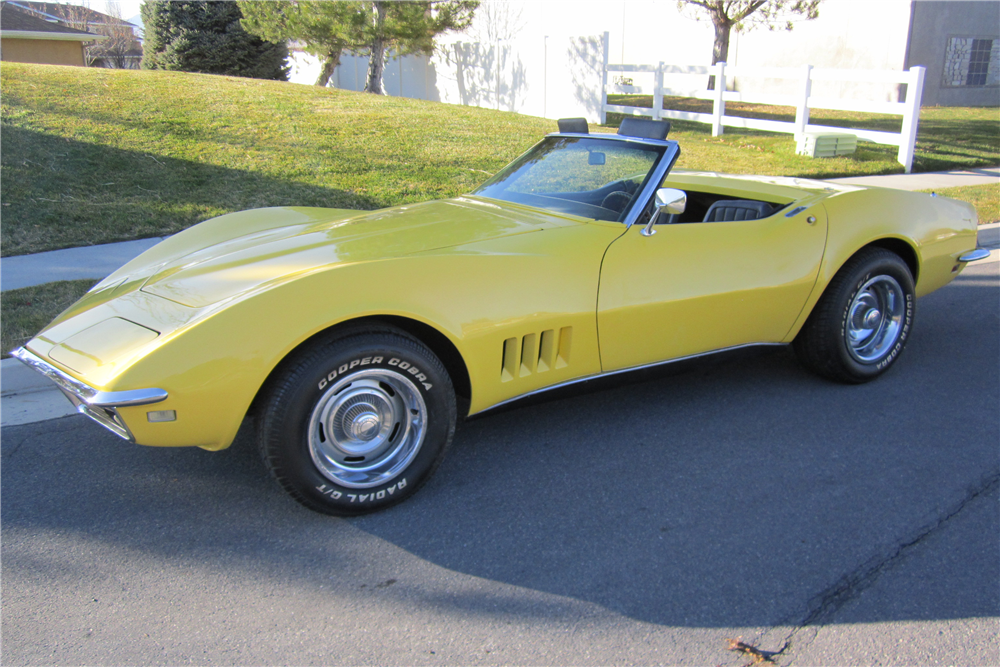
(435, 341)
(901, 248)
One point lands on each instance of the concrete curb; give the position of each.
(27, 397)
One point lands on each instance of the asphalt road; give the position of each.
(642, 523)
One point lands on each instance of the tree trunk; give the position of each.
(720, 48)
(376, 60)
(330, 64)
(376, 64)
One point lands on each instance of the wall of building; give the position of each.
(542, 72)
(553, 77)
(43, 51)
(849, 34)
(948, 38)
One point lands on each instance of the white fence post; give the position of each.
(802, 110)
(908, 140)
(604, 80)
(658, 92)
(719, 105)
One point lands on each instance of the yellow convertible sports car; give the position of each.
(355, 338)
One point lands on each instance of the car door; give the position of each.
(696, 287)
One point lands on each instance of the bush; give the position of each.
(207, 37)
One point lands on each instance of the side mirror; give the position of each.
(669, 201)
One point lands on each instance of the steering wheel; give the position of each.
(617, 201)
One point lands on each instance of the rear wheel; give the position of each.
(357, 424)
(860, 325)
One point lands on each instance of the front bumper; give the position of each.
(975, 255)
(101, 406)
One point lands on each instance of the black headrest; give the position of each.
(644, 128)
(728, 210)
(574, 126)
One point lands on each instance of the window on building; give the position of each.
(972, 61)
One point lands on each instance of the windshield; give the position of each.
(589, 177)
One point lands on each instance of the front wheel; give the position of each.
(356, 424)
(861, 323)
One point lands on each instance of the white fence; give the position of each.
(685, 82)
(556, 77)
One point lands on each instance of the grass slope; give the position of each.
(94, 156)
(24, 312)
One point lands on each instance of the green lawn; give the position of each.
(24, 312)
(947, 137)
(94, 156)
(986, 199)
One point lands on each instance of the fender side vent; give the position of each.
(535, 353)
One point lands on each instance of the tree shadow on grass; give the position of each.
(108, 194)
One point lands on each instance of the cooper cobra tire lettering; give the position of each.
(317, 388)
(349, 365)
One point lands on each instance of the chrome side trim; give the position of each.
(973, 255)
(620, 371)
(101, 406)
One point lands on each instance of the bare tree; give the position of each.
(745, 15)
(497, 21)
(120, 48)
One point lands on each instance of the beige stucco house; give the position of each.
(28, 39)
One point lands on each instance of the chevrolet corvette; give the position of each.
(357, 339)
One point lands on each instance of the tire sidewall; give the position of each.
(879, 266)
(288, 444)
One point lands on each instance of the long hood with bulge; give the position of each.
(241, 252)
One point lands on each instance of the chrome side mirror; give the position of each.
(669, 201)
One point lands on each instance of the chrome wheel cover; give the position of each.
(367, 428)
(875, 319)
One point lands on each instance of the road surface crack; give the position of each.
(822, 607)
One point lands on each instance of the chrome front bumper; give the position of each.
(975, 255)
(101, 406)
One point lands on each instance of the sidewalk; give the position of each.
(28, 397)
(95, 262)
(929, 181)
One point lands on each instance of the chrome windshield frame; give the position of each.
(655, 176)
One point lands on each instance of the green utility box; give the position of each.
(826, 145)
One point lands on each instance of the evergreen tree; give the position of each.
(373, 26)
(324, 29)
(199, 36)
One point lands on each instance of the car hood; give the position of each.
(239, 252)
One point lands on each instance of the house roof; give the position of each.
(16, 24)
(59, 12)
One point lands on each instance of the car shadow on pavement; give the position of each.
(741, 494)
